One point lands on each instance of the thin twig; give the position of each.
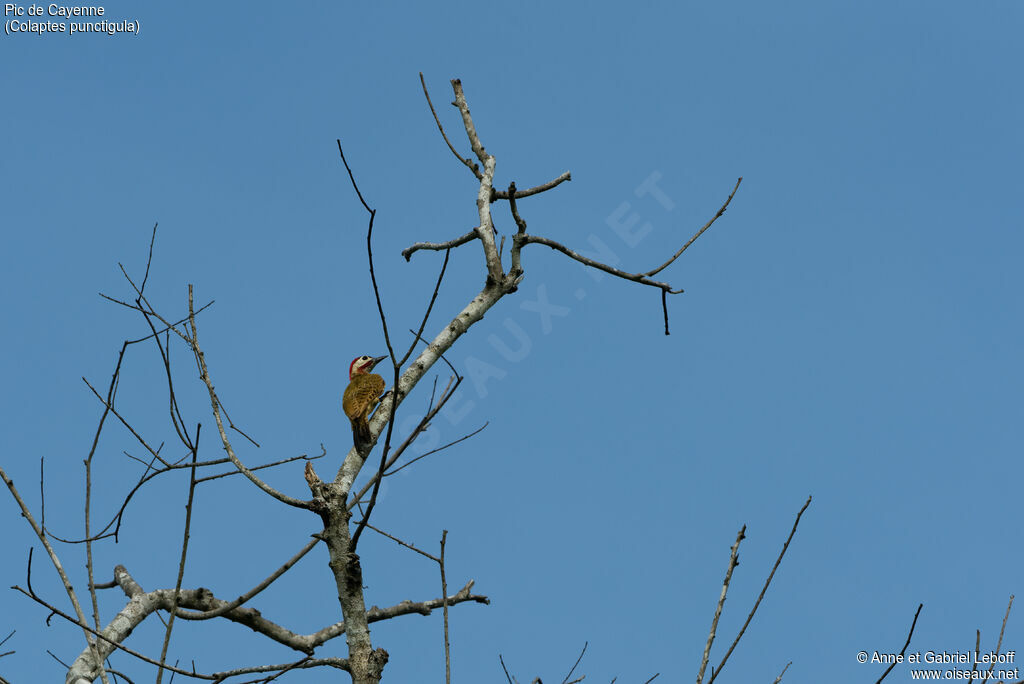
(204, 374)
(430, 306)
(172, 403)
(244, 598)
(353, 179)
(619, 273)
(444, 606)
(149, 259)
(507, 675)
(406, 544)
(700, 232)
(283, 461)
(89, 565)
(147, 476)
(664, 308)
(184, 555)
(779, 678)
(443, 358)
(470, 165)
(397, 453)
(902, 650)
(565, 680)
(440, 448)
(167, 326)
(369, 253)
(1002, 630)
(306, 663)
(108, 406)
(764, 589)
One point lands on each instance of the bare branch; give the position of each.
(764, 589)
(4, 641)
(167, 326)
(244, 598)
(304, 664)
(902, 650)
(181, 562)
(485, 230)
(440, 448)
(586, 261)
(204, 375)
(426, 607)
(444, 605)
(149, 475)
(733, 562)
(1002, 630)
(446, 361)
(149, 259)
(536, 190)
(515, 253)
(353, 179)
(274, 464)
(700, 232)
(475, 168)
(522, 239)
(779, 678)
(467, 122)
(406, 544)
(369, 250)
(430, 307)
(438, 246)
(470, 165)
(109, 407)
(565, 680)
(507, 675)
(664, 308)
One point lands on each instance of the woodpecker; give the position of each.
(362, 394)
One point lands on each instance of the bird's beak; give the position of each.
(378, 359)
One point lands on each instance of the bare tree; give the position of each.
(344, 510)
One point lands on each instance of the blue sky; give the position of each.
(851, 328)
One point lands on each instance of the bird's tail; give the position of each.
(360, 430)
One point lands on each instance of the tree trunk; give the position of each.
(366, 663)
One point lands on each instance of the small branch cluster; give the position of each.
(733, 562)
(485, 230)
